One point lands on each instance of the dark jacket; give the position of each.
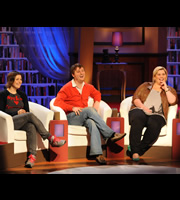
(3, 100)
(143, 91)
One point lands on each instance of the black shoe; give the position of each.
(128, 152)
(101, 160)
(117, 136)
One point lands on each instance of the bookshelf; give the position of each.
(173, 57)
(38, 88)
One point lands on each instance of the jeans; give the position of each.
(31, 124)
(138, 120)
(96, 126)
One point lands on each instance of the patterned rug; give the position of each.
(120, 169)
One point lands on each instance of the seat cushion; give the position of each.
(20, 135)
(77, 130)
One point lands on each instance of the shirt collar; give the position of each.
(74, 84)
(150, 85)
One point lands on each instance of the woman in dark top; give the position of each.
(15, 103)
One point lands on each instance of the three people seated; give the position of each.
(149, 109)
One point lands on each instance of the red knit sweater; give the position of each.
(69, 97)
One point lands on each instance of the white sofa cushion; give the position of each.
(77, 130)
(20, 135)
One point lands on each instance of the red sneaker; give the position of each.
(30, 162)
(56, 142)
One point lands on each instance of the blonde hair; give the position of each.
(155, 71)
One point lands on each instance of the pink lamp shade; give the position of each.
(117, 39)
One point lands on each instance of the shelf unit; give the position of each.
(173, 57)
(38, 88)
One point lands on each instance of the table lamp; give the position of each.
(117, 41)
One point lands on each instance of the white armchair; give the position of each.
(165, 138)
(18, 137)
(78, 135)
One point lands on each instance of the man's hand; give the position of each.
(96, 105)
(77, 110)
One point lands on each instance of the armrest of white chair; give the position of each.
(58, 109)
(62, 114)
(171, 115)
(125, 105)
(42, 113)
(104, 110)
(6, 128)
(124, 112)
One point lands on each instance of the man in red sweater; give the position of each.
(73, 99)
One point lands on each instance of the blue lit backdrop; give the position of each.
(47, 49)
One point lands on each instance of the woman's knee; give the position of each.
(30, 114)
(156, 122)
(136, 116)
(31, 118)
(30, 128)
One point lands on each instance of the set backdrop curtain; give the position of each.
(47, 49)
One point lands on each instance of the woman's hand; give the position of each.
(164, 85)
(139, 104)
(147, 110)
(21, 111)
(170, 97)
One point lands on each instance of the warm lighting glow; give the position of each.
(117, 39)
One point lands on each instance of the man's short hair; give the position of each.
(75, 66)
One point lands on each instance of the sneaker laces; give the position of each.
(32, 158)
(55, 139)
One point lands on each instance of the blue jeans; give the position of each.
(95, 124)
